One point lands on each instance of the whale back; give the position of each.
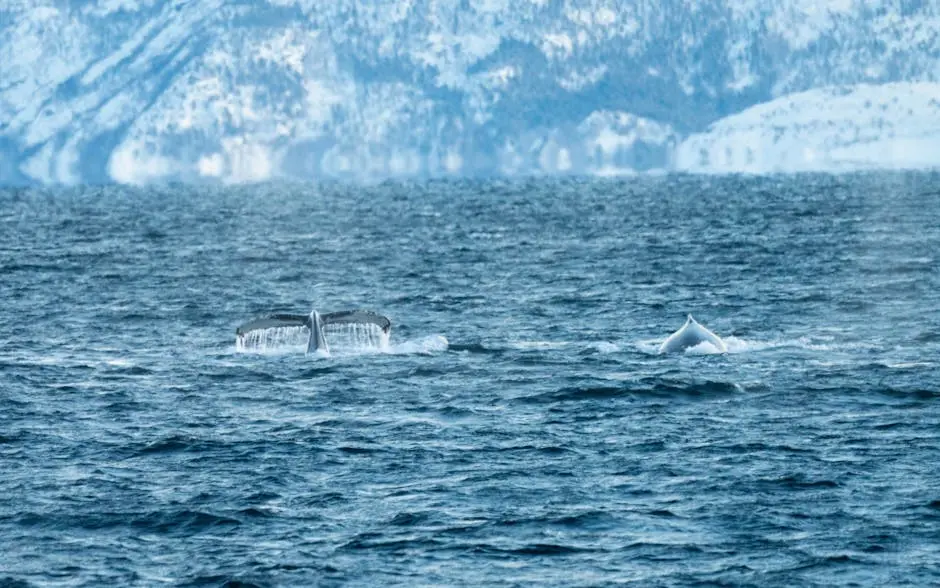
(691, 334)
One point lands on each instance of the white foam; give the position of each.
(736, 345)
(356, 338)
(606, 347)
(703, 348)
(423, 346)
(119, 362)
(907, 365)
(620, 376)
(525, 345)
(276, 340)
(817, 343)
(649, 346)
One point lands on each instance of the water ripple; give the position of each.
(520, 428)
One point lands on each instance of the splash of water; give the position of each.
(273, 339)
(356, 337)
(423, 346)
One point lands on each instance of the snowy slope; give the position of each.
(226, 90)
(889, 126)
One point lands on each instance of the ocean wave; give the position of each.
(642, 388)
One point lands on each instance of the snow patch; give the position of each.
(247, 162)
(125, 51)
(888, 126)
(579, 80)
(453, 162)
(211, 166)
(615, 142)
(557, 45)
(134, 163)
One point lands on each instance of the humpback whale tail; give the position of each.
(691, 334)
(315, 324)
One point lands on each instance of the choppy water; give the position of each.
(519, 429)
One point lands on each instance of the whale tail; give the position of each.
(315, 323)
(317, 341)
(357, 317)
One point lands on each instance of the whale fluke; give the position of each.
(691, 334)
(357, 317)
(273, 321)
(316, 323)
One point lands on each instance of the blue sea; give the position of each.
(518, 428)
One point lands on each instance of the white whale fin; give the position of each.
(691, 334)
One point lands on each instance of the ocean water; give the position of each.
(519, 426)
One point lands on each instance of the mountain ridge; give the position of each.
(140, 91)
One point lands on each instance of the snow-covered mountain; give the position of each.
(235, 90)
(894, 126)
